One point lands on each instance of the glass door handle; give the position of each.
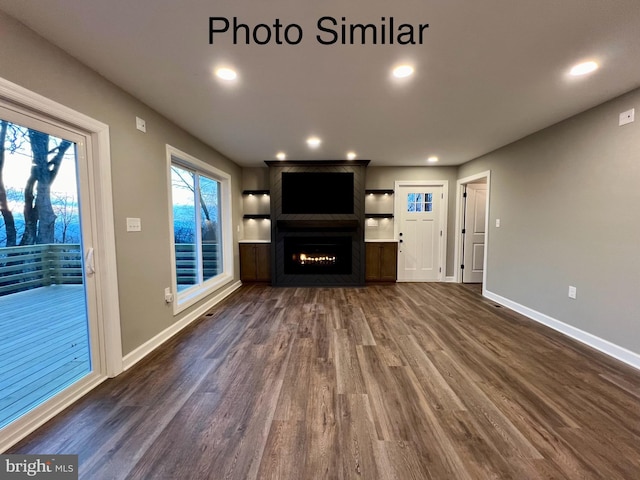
(89, 266)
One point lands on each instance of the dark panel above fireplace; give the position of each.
(332, 243)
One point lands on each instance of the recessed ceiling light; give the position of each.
(313, 142)
(402, 71)
(226, 73)
(281, 155)
(351, 155)
(432, 159)
(584, 68)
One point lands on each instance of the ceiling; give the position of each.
(486, 74)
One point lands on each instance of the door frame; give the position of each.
(108, 334)
(457, 278)
(397, 207)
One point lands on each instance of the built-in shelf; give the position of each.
(378, 191)
(265, 216)
(378, 215)
(255, 192)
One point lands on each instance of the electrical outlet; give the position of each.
(497, 223)
(168, 296)
(134, 225)
(627, 117)
(573, 292)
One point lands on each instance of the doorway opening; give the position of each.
(472, 229)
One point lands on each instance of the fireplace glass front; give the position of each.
(317, 255)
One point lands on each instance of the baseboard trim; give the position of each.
(600, 344)
(149, 346)
(451, 279)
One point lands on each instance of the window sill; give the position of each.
(193, 295)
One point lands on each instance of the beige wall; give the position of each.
(138, 169)
(568, 198)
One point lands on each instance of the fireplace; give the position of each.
(317, 223)
(315, 255)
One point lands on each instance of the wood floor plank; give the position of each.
(356, 438)
(404, 381)
(348, 372)
(433, 384)
(321, 455)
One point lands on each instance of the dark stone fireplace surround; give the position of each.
(334, 242)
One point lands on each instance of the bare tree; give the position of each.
(209, 225)
(65, 209)
(7, 215)
(38, 211)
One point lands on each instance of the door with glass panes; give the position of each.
(47, 290)
(420, 232)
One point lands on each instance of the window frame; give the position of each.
(192, 295)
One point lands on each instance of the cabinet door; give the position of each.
(248, 271)
(263, 262)
(388, 261)
(372, 261)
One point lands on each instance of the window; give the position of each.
(200, 207)
(419, 202)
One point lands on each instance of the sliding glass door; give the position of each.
(46, 265)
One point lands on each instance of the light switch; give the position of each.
(134, 225)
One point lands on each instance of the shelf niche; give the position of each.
(255, 192)
(378, 191)
(378, 215)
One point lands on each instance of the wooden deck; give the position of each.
(44, 346)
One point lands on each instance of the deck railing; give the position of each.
(33, 266)
(186, 265)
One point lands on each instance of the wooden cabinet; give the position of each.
(255, 261)
(381, 261)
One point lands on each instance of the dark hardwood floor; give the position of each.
(404, 381)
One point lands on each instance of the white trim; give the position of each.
(108, 297)
(604, 346)
(450, 279)
(458, 229)
(203, 290)
(397, 206)
(149, 346)
(37, 417)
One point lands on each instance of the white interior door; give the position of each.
(420, 233)
(474, 233)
